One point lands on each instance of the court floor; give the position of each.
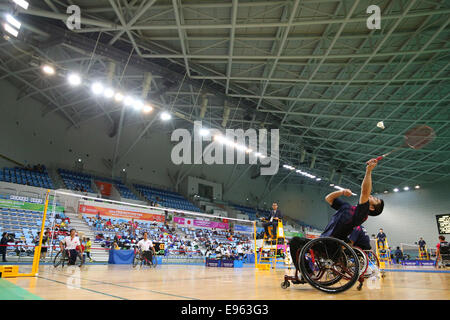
(169, 282)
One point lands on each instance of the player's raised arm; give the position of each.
(330, 197)
(366, 186)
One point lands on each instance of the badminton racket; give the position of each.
(415, 138)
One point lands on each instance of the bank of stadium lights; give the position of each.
(22, 3)
(240, 147)
(12, 25)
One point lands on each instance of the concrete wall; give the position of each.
(409, 215)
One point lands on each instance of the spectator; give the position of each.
(88, 249)
(381, 238)
(3, 246)
(440, 244)
(398, 255)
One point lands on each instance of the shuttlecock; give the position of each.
(380, 125)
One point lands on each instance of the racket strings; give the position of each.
(419, 137)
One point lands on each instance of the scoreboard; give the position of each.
(443, 223)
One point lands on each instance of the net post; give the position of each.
(254, 238)
(37, 250)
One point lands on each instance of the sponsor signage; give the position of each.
(118, 213)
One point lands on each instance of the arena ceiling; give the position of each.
(310, 68)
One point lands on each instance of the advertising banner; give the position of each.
(200, 223)
(104, 187)
(118, 213)
(290, 234)
(240, 228)
(212, 263)
(12, 204)
(228, 263)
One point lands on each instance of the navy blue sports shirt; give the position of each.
(345, 219)
(360, 238)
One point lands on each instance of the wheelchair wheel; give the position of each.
(154, 261)
(363, 260)
(136, 260)
(58, 259)
(80, 259)
(329, 265)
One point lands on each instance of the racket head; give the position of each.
(418, 137)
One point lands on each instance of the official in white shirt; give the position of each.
(146, 247)
(70, 244)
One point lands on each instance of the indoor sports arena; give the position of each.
(228, 150)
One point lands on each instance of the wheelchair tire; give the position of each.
(339, 259)
(57, 260)
(285, 284)
(136, 261)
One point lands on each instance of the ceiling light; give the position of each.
(97, 88)
(118, 97)
(128, 101)
(249, 150)
(138, 105)
(204, 132)
(108, 93)
(13, 21)
(148, 108)
(396, 190)
(22, 3)
(385, 191)
(318, 179)
(406, 188)
(48, 69)
(417, 187)
(79, 160)
(165, 116)
(11, 30)
(331, 185)
(74, 79)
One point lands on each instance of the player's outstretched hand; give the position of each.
(347, 192)
(372, 163)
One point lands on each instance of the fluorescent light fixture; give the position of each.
(331, 185)
(165, 116)
(48, 69)
(108, 93)
(97, 88)
(10, 30)
(417, 187)
(138, 105)
(312, 177)
(318, 179)
(204, 132)
(148, 108)
(22, 3)
(406, 188)
(118, 97)
(396, 190)
(128, 101)
(74, 79)
(13, 21)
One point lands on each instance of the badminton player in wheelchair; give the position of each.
(146, 249)
(329, 260)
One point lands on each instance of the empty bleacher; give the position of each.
(250, 212)
(27, 177)
(125, 192)
(75, 180)
(166, 198)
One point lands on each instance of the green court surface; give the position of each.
(9, 291)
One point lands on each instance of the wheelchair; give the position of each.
(327, 264)
(141, 260)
